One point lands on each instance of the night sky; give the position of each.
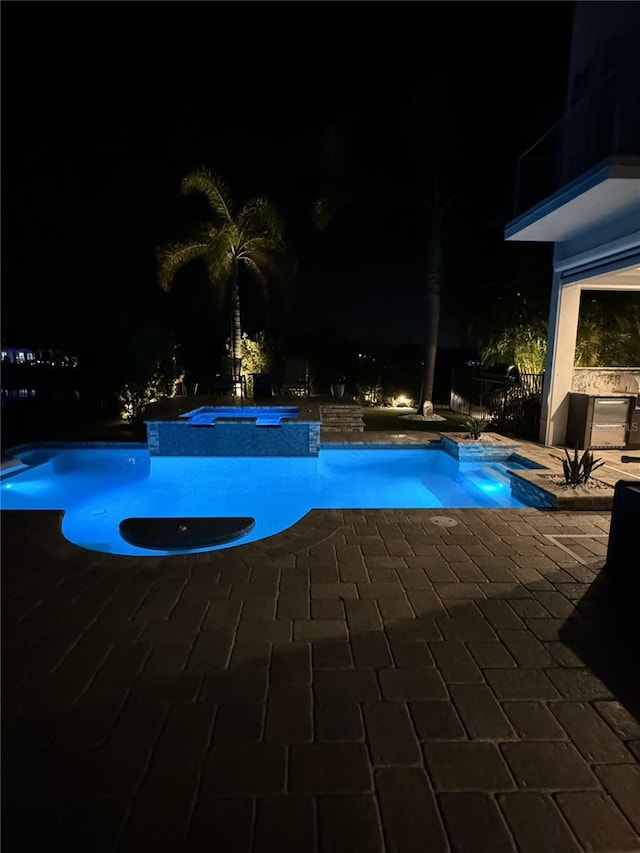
(106, 106)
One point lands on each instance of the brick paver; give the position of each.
(537, 824)
(367, 682)
(287, 824)
(471, 766)
(597, 822)
(533, 721)
(483, 828)
(409, 811)
(346, 823)
(623, 784)
(546, 766)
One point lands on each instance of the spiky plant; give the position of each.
(250, 238)
(589, 465)
(578, 469)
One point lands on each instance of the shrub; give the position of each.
(476, 426)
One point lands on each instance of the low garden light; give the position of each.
(402, 401)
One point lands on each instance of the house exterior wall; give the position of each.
(558, 374)
(571, 276)
(601, 117)
(598, 380)
(601, 124)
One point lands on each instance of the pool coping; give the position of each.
(234, 414)
(308, 412)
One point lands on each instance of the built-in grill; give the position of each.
(601, 420)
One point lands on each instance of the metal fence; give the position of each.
(512, 403)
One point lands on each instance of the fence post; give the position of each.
(504, 402)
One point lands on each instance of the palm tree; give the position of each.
(516, 335)
(509, 309)
(435, 209)
(521, 344)
(609, 330)
(252, 237)
(420, 192)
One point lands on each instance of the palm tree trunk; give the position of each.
(236, 336)
(434, 274)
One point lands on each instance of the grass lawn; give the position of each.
(391, 420)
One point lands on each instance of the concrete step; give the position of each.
(341, 410)
(341, 418)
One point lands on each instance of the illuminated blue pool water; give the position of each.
(97, 488)
(263, 415)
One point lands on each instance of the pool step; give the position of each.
(341, 419)
(175, 534)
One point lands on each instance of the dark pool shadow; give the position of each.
(604, 632)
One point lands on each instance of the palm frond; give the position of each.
(220, 262)
(173, 256)
(258, 274)
(520, 345)
(213, 188)
(255, 239)
(273, 258)
(263, 244)
(606, 337)
(270, 261)
(259, 217)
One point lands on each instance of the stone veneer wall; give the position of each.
(605, 380)
(174, 438)
(530, 494)
(476, 451)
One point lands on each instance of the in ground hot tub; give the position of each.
(235, 431)
(260, 415)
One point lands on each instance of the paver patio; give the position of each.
(366, 682)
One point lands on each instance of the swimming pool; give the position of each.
(99, 487)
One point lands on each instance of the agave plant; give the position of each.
(578, 469)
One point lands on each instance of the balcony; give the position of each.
(586, 168)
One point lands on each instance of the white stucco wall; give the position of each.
(573, 274)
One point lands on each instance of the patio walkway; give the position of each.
(366, 682)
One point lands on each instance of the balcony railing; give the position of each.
(603, 124)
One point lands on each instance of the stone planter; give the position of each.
(488, 446)
(534, 488)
